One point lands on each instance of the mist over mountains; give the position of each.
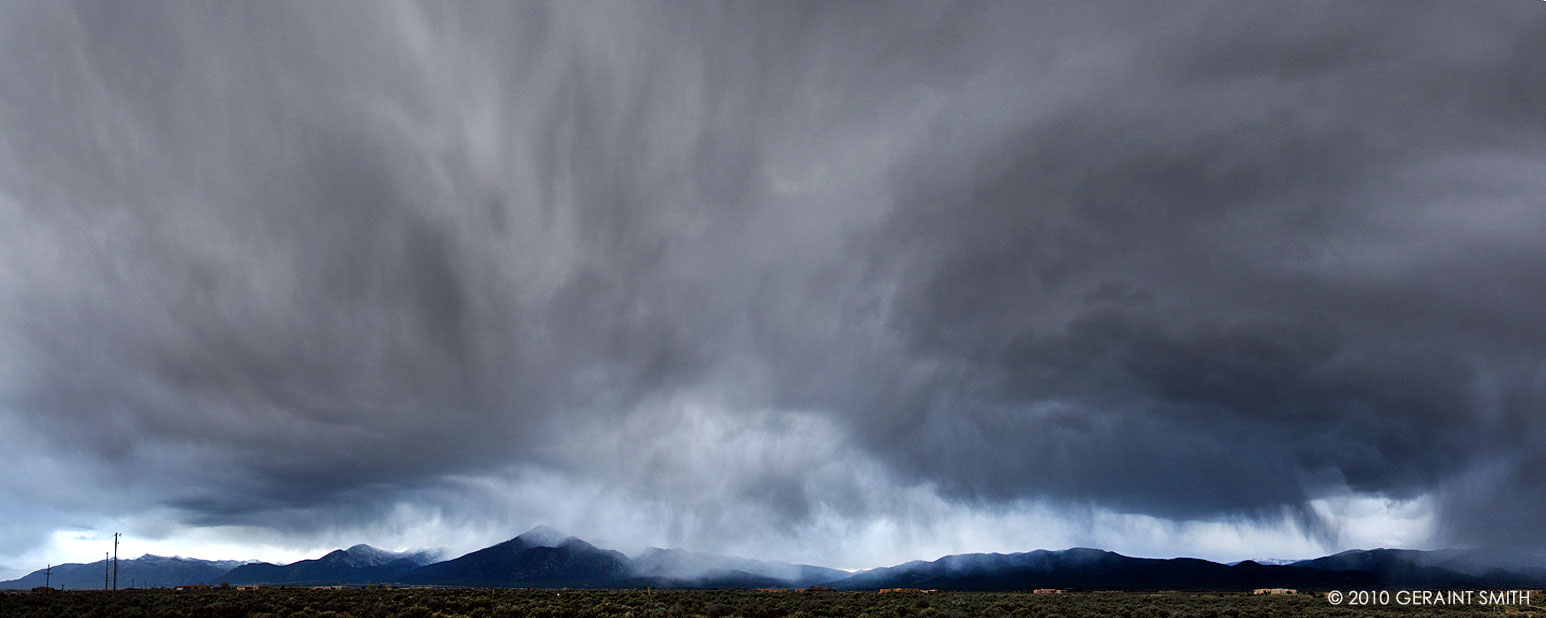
(545, 558)
(700, 569)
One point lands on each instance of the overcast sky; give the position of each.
(839, 283)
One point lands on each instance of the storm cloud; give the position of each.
(762, 278)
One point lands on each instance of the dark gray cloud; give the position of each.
(1259, 259)
(325, 267)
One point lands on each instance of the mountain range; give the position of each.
(361, 564)
(145, 571)
(545, 558)
(536, 559)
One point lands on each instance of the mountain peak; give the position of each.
(370, 554)
(359, 556)
(543, 536)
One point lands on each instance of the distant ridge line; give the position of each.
(544, 557)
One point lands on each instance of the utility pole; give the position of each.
(115, 560)
(47, 573)
(104, 571)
